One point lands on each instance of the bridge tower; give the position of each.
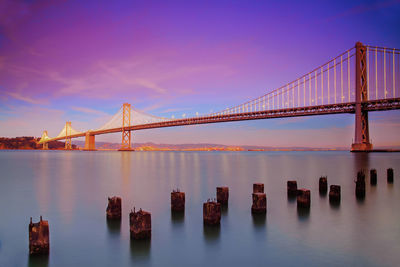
(68, 143)
(361, 140)
(126, 122)
(46, 144)
(89, 142)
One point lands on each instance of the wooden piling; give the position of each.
(292, 188)
(373, 177)
(114, 208)
(334, 193)
(140, 224)
(223, 195)
(259, 203)
(39, 241)
(360, 184)
(323, 184)
(303, 198)
(211, 212)
(258, 188)
(177, 200)
(390, 175)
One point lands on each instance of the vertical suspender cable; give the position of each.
(322, 86)
(341, 77)
(376, 72)
(394, 82)
(316, 86)
(328, 86)
(348, 75)
(334, 74)
(367, 72)
(384, 71)
(309, 87)
(298, 89)
(304, 89)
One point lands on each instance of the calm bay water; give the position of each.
(70, 190)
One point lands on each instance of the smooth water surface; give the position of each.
(70, 190)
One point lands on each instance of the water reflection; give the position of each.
(38, 260)
(224, 209)
(211, 233)
(140, 250)
(303, 214)
(259, 220)
(177, 217)
(361, 162)
(114, 227)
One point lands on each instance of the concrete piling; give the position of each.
(334, 193)
(211, 212)
(140, 224)
(360, 184)
(258, 188)
(39, 237)
(373, 177)
(323, 185)
(259, 203)
(303, 198)
(292, 188)
(223, 195)
(390, 175)
(114, 208)
(177, 200)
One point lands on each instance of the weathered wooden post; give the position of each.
(140, 224)
(177, 200)
(223, 195)
(259, 203)
(292, 188)
(334, 194)
(114, 208)
(303, 198)
(323, 184)
(360, 184)
(373, 177)
(39, 241)
(211, 212)
(390, 175)
(258, 188)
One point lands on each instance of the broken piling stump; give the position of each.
(140, 224)
(373, 177)
(323, 185)
(223, 195)
(177, 200)
(303, 198)
(39, 241)
(211, 212)
(360, 184)
(292, 188)
(258, 188)
(114, 209)
(334, 193)
(390, 175)
(259, 203)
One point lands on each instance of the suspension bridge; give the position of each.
(362, 79)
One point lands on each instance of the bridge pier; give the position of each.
(45, 146)
(89, 142)
(361, 140)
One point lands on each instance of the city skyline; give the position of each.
(179, 59)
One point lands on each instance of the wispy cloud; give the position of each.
(89, 111)
(27, 99)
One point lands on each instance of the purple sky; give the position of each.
(80, 60)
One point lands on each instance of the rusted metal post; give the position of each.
(334, 194)
(361, 140)
(140, 224)
(390, 175)
(373, 177)
(292, 188)
(211, 212)
(223, 195)
(114, 208)
(360, 184)
(259, 203)
(258, 188)
(303, 198)
(323, 185)
(39, 241)
(177, 200)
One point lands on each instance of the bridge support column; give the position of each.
(361, 140)
(126, 122)
(68, 141)
(89, 142)
(45, 146)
